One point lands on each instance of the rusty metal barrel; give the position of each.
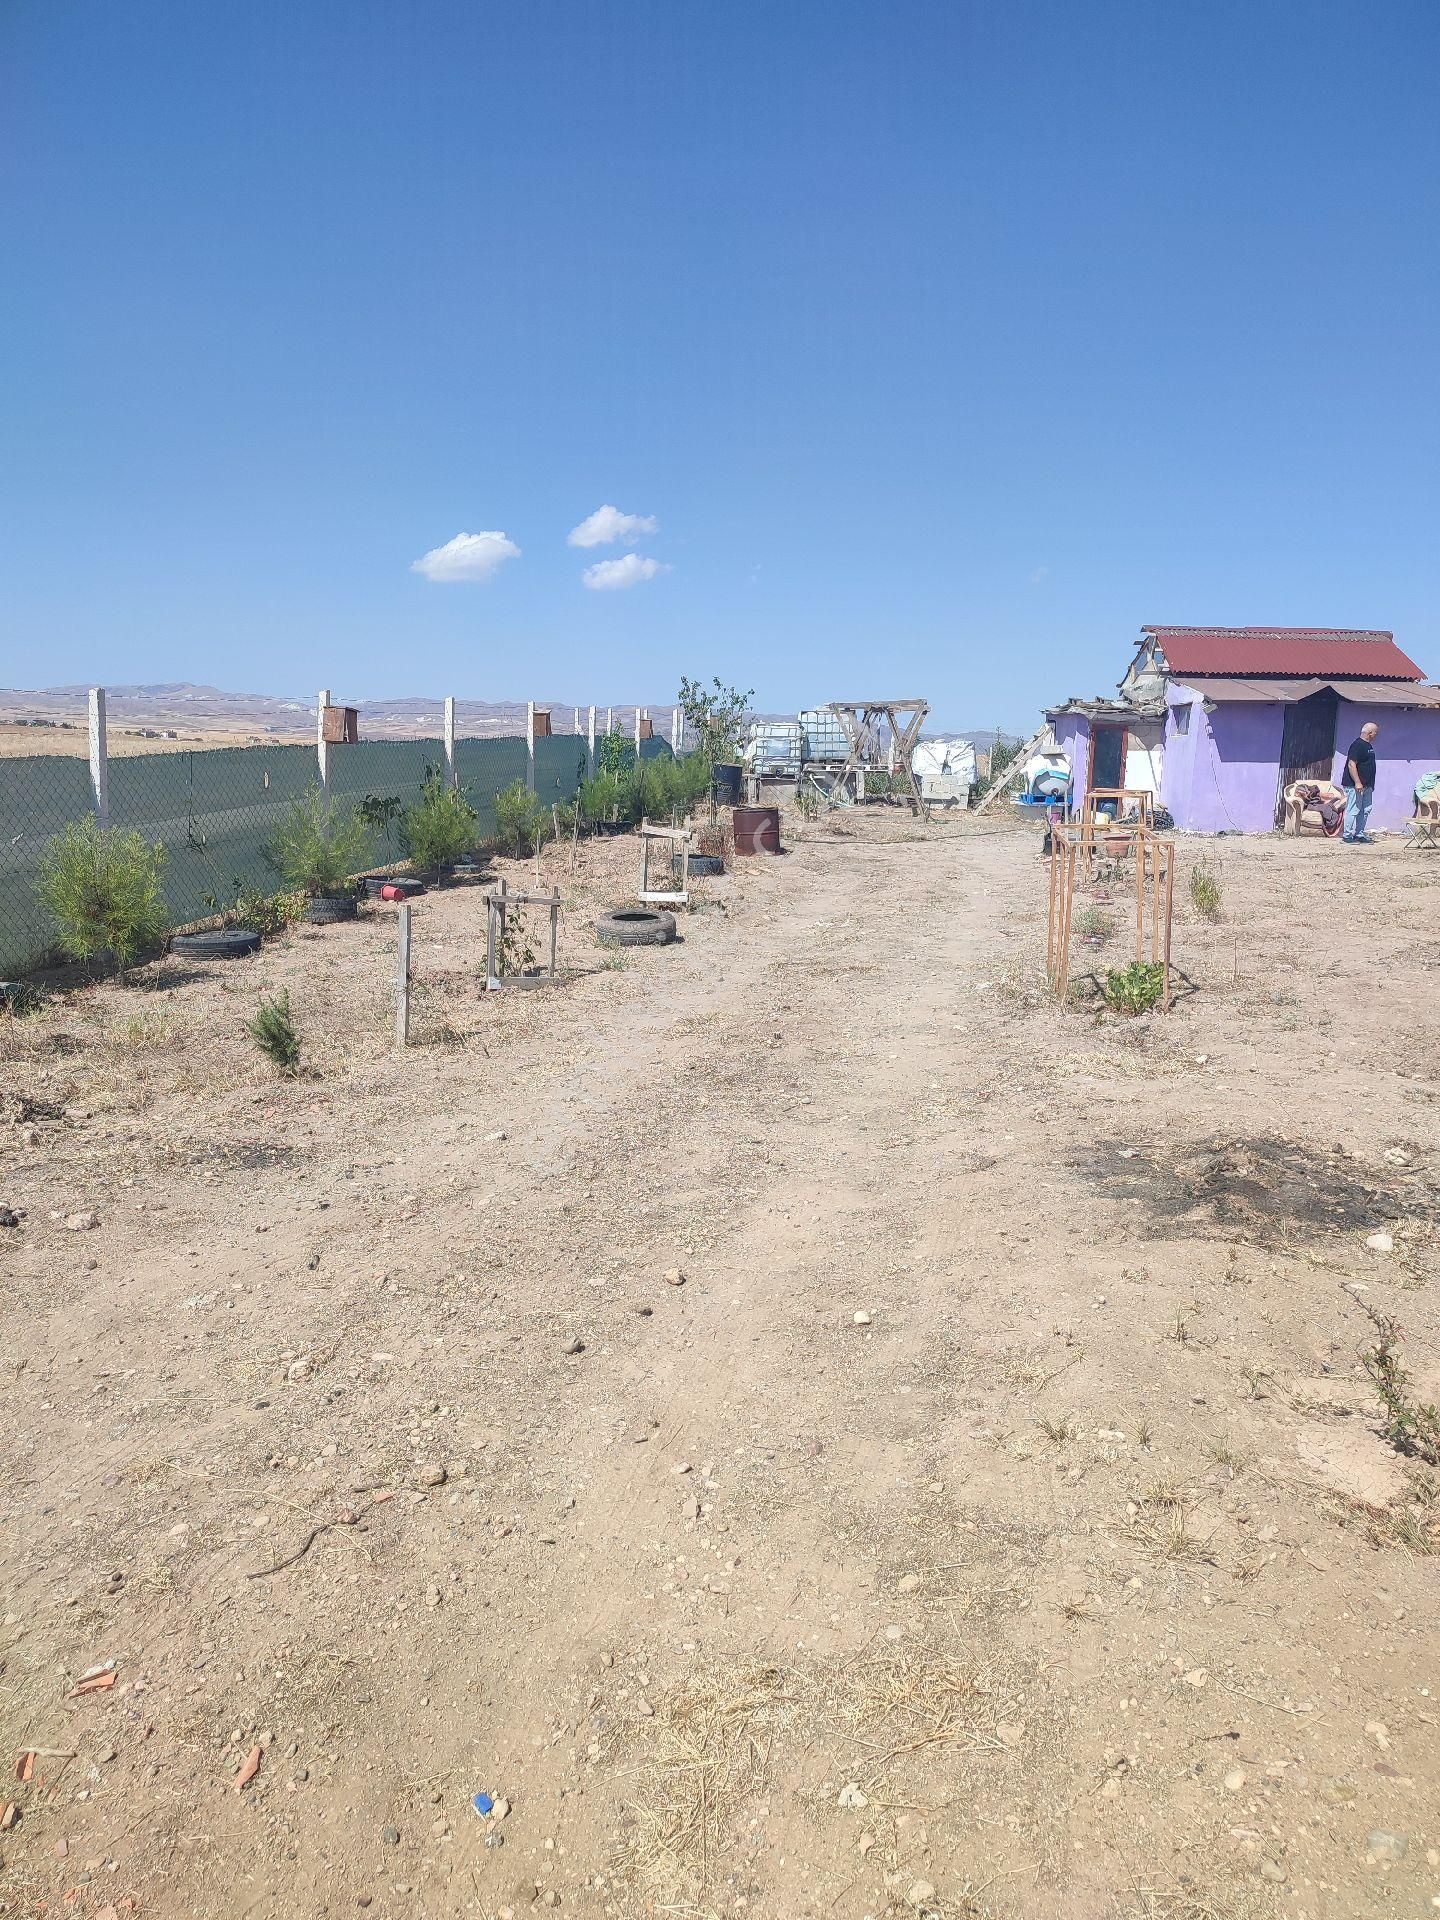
(757, 829)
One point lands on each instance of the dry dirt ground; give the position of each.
(996, 1520)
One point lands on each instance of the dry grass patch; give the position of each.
(732, 1734)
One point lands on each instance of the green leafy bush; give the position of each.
(102, 888)
(273, 1031)
(717, 718)
(266, 912)
(318, 845)
(602, 797)
(440, 826)
(1136, 988)
(616, 752)
(519, 816)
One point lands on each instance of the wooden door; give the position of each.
(1307, 744)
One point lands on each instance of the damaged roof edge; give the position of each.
(1221, 689)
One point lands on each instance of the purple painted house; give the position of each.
(1218, 721)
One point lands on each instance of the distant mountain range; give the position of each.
(180, 708)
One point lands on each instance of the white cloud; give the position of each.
(608, 524)
(607, 576)
(469, 556)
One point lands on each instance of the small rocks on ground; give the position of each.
(921, 1893)
(82, 1222)
(674, 1277)
(433, 1476)
(862, 1319)
(1386, 1845)
(851, 1796)
(391, 1836)
(910, 1584)
(575, 1345)
(9, 1217)
(1377, 1242)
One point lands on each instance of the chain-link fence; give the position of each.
(216, 810)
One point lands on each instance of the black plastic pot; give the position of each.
(726, 777)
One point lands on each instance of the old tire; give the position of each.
(636, 927)
(326, 909)
(226, 943)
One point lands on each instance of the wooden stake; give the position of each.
(402, 976)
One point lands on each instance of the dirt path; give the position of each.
(993, 1521)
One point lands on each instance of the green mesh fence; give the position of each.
(483, 768)
(39, 794)
(215, 811)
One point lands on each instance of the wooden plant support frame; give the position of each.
(859, 719)
(1090, 827)
(648, 895)
(497, 905)
(1070, 856)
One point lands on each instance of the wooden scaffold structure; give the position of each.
(1073, 863)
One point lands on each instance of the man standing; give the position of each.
(1359, 783)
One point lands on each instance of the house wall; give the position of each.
(1144, 756)
(1409, 745)
(1177, 766)
(1228, 780)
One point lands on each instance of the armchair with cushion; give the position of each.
(1315, 807)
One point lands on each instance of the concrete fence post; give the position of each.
(592, 743)
(99, 756)
(578, 727)
(675, 729)
(322, 746)
(609, 719)
(637, 733)
(530, 745)
(450, 773)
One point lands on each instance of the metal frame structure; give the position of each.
(859, 719)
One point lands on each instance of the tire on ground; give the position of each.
(325, 909)
(636, 927)
(225, 943)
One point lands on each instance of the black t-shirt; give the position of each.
(1363, 754)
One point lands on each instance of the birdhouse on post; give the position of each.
(340, 726)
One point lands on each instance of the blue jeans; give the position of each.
(1357, 811)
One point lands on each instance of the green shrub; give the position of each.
(519, 816)
(602, 797)
(102, 888)
(1136, 988)
(273, 1031)
(266, 912)
(440, 826)
(1204, 891)
(318, 845)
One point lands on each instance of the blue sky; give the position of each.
(945, 344)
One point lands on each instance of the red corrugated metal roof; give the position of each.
(1321, 652)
